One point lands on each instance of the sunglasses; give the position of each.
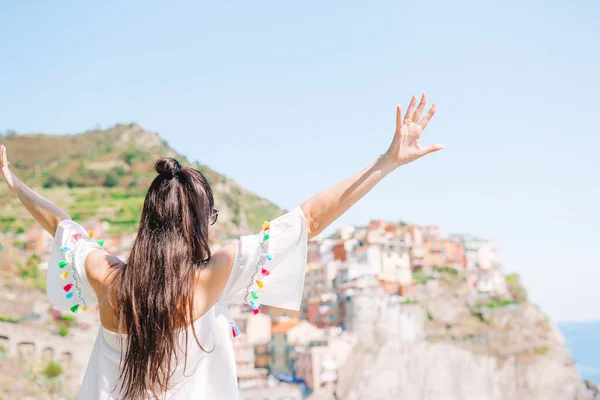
(214, 216)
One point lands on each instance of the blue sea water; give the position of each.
(583, 339)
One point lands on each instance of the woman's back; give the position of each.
(194, 373)
(100, 266)
(268, 266)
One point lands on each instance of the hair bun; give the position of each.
(167, 167)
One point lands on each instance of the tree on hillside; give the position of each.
(112, 179)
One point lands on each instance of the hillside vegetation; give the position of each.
(104, 175)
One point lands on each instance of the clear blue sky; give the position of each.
(287, 98)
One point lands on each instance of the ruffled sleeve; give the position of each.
(269, 267)
(67, 285)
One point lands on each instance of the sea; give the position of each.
(583, 339)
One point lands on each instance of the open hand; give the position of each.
(405, 146)
(8, 176)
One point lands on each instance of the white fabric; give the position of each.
(75, 254)
(211, 374)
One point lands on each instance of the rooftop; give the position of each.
(284, 325)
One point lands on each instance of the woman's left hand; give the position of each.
(405, 146)
(5, 170)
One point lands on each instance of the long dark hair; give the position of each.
(155, 289)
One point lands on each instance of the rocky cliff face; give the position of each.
(456, 344)
(386, 367)
(439, 371)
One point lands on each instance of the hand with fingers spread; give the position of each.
(405, 147)
(8, 176)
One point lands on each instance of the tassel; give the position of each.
(67, 287)
(234, 329)
(101, 242)
(64, 249)
(254, 304)
(254, 295)
(260, 284)
(74, 308)
(256, 311)
(266, 237)
(69, 295)
(269, 256)
(77, 236)
(64, 275)
(63, 264)
(91, 234)
(264, 272)
(266, 226)
(84, 308)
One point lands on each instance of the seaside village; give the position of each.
(353, 278)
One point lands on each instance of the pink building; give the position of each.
(454, 253)
(316, 366)
(431, 232)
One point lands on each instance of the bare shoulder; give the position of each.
(216, 273)
(98, 265)
(221, 260)
(225, 254)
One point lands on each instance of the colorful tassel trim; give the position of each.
(74, 288)
(253, 303)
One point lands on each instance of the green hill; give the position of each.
(104, 175)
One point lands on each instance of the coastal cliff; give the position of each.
(451, 345)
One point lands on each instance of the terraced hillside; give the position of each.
(104, 175)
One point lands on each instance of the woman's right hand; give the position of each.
(5, 170)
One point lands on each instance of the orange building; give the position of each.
(339, 251)
(454, 253)
(434, 253)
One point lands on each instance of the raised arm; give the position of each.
(269, 267)
(47, 214)
(325, 207)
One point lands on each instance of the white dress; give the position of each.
(275, 259)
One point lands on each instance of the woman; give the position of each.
(166, 330)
